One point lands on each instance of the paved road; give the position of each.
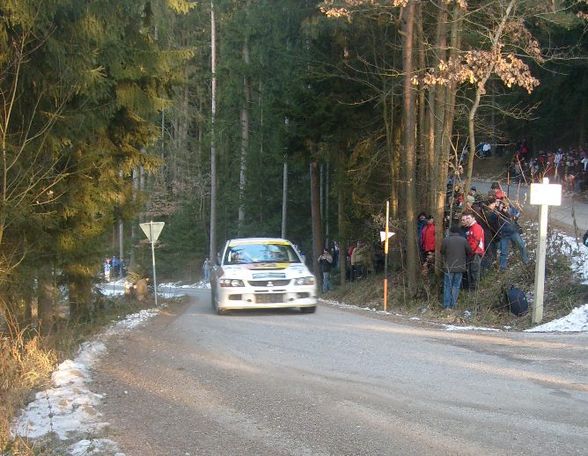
(571, 213)
(340, 383)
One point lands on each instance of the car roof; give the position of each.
(258, 240)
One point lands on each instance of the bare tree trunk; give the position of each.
(446, 143)
(438, 114)
(397, 206)
(409, 143)
(45, 299)
(342, 229)
(317, 241)
(244, 136)
(424, 162)
(212, 247)
(284, 196)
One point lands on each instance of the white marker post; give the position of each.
(152, 230)
(543, 195)
(384, 237)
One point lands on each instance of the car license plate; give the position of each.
(269, 298)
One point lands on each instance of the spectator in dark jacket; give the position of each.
(455, 250)
(509, 233)
(488, 219)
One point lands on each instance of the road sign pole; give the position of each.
(152, 230)
(386, 257)
(537, 310)
(154, 273)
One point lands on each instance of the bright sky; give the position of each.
(71, 410)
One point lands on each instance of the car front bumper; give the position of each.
(246, 298)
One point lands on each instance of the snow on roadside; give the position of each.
(578, 253)
(69, 408)
(576, 321)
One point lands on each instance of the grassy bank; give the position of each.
(483, 307)
(27, 360)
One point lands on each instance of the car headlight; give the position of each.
(231, 283)
(305, 281)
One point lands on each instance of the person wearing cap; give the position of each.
(475, 238)
(497, 190)
(428, 244)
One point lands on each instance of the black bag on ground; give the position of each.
(516, 300)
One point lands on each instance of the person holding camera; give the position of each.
(325, 263)
(509, 232)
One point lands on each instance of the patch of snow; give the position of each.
(468, 328)
(69, 408)
(94, 447)
(575, 321)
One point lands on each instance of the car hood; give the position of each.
(266, 271)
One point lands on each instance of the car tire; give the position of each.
(213, 297)
(308, 310)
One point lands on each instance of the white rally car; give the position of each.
(259, 273)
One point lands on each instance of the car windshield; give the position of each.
(261, 253)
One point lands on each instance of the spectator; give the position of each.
(361, 260)
(325, 261)
(107, 269)
(206, 270)
(509, 233)
(475, 238)
(488, 220)
(496, 191)
(335, 253)
(115, 266)
(428, 244)
(455, 250)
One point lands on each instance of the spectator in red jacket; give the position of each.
(475, 238)
(428, 244)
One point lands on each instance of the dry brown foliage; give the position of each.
(25, 365)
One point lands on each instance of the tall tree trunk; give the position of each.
(424, 163)
(391, 149)
(212, 246)
(446, 140)
(284, 196)
(439, 110)
(317, 232)
(397, 200)
(45, 299)
(341, 225)
(244, 134)
(409, 143)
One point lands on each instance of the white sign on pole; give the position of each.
(383, 235)
(152, 230)
(543, 195)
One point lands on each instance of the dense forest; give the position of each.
(234, 118)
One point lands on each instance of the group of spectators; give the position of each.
(113, 268)
(486, 227)
(359, 262)
(567, 167)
